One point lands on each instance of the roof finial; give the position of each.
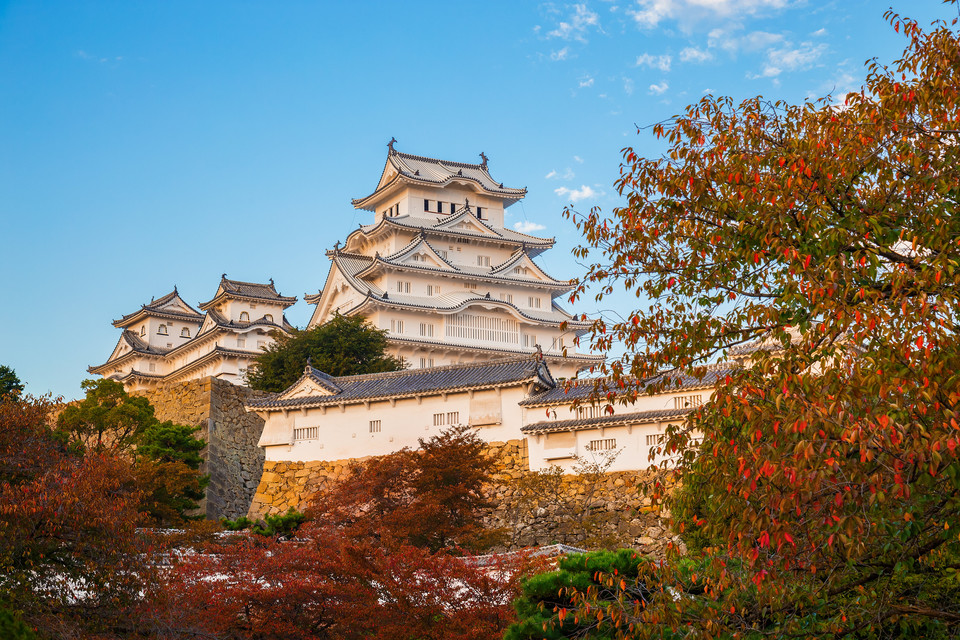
(466, 204)
(309, 365)
(223, 276)
(390, 144)
(483, 157)
(336, 247)
(539, 353)
(174, 288)
(271, 280)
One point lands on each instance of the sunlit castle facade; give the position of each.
(438, 270)
(170, 341)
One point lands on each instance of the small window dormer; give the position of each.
(143, 331)
(185, 332)
(162, 330)
(244, 316)
(268, 317)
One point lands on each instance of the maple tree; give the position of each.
(68, 541)
(323, 586)
(431, 497)
(818, 243)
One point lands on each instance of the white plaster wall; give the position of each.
(344, 431)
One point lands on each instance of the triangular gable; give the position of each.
(389, 173)
(464, 220)
(175, 304)
(521, 266)
(209, 324)
(420, 253)
(310, 385)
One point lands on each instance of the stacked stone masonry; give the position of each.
(596, 510)
(232, 458)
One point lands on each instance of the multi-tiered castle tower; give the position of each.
(440, 272)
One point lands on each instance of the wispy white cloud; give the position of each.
(578, 159)
(656, 62)
(731, 42)
(586, 82)
(819, 33)
(528, 227)
(83, 55)
(562, 54)
(648, 14)
(628, 86)
(577, 25)
(576, 195)
(567, 174)
(694, 54)
(659, 89)
(789, 58)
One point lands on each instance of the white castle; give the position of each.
(438, 270)
(463, 303)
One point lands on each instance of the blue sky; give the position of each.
(150, 144)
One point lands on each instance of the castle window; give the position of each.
(426, 330)
(152, 367)
(162, 330)
(533, 302)
(439, 207)
(433, 289)
(306, 433)
(143, 330)
(375, 426)
(506, 297)
(520, 271)
(483, 261)
(396, 326)
(529, 340)
(684, 402)
(602, 445)
(403, 287)
(184, 333)
(470, 285)
(479, 213)
(241, 342)
(592, 411)
(268, 317)
(426, 362)
(426, 205)
(444, 419)
(244, 316)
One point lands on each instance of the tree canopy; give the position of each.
(430, 498)
(819, 243)
(9, 382)
(344, 346)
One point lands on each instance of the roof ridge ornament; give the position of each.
(483, 158)
(390, 144)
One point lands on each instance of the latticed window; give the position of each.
(374, 426)
(682, 402)
(185, 333)
(468, 326)
(604, 444)
(244, 316)
(306, 433)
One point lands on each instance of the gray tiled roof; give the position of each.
(255, 290)
(155, 309)
(413, 382)
(433, 227)
(453, 346)
(583, 389)
(638, 417)
(432, 171)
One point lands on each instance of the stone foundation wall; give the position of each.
(232, 458)
(594, 510)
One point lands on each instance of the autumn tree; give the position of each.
(166, 456)
(343, 346)
(69, 549)
(818, 243)
(430, 498)
(325, 585)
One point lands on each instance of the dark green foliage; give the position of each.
(341, 347)
(107, 418)
(168, 442)
(545, 609)
(281, 524)
(12, 628)
(9, 382)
